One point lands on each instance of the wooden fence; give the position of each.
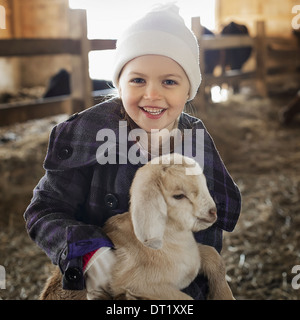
(284, 50)
(78, 46)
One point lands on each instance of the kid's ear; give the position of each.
(148, 208)
(188, 95)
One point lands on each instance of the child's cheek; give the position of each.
(131, 98)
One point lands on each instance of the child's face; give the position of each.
(154, 90)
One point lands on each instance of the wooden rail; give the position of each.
(285, 51)
(18, 112)
(32, 47)
(226, 41)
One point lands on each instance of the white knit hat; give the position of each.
(161, 32)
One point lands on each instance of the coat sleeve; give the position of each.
(52, 218)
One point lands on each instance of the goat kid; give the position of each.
(156, 253)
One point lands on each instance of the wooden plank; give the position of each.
(284, 54)
(224, 41)
(81, 84)
(102, 44)
(16, 18)
(261, 59)
(29, 47)
(282, 69)
(231, 75)
(200, 97)
(22, 111)
(283, 42)
(26, 47)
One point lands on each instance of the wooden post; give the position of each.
(200, 97)
(261, 59)
(81, 84)
(16, 19)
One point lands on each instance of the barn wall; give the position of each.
(8, 66)
(41, 19)
(33, 19)
(277, 14)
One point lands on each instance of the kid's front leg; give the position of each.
(213, 267)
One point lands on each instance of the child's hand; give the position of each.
(98, 274)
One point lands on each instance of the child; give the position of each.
(156, 73)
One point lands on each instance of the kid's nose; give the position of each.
(152, 92)
(213, 212)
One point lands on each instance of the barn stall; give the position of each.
(249, 125)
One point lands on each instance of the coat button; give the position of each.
(73, 274)
(65, 153)
(111, 201)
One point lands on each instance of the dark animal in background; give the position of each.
(60, 84)
(232, 59)
(211, 57)
(236, 57)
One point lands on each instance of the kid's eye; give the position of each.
(137, 80)
(178, 196)
(170, 82)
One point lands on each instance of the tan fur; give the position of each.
(156, 253)
(53, 289)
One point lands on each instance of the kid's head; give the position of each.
(157, 68)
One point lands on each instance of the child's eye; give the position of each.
(170, 82)
(137, 80)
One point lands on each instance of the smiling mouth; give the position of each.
(154, 111)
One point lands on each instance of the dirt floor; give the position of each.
(263, 157)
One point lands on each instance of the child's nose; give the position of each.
(152, 92)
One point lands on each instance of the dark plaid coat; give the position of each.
(77, 195)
